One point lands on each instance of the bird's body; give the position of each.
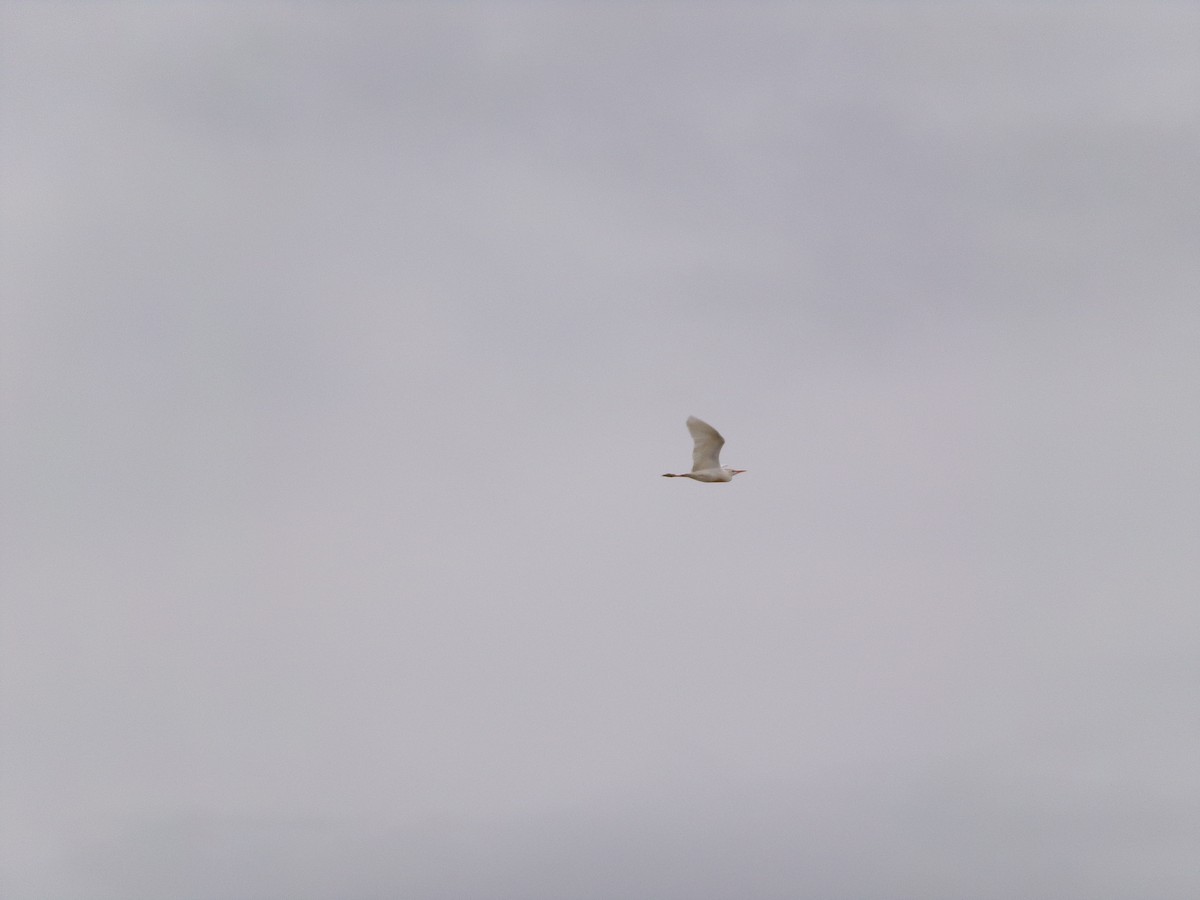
(710, 476)
(706, 461)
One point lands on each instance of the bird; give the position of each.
(706, 463)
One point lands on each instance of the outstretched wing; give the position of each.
(707, 452)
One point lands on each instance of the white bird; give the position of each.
(706, 462)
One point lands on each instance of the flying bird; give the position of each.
(706, 463)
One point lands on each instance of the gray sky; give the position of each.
(343, 346)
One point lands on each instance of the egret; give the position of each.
(706, 463)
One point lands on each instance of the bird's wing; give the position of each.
(707, 452)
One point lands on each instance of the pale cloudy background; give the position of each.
(344, 344)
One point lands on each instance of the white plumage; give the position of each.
(706, 455)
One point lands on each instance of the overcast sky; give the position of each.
(343, 346)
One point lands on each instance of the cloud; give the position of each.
(346, 346)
